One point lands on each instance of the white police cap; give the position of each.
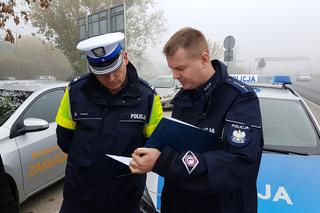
(103, 52)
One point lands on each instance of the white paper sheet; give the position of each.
(121, 159)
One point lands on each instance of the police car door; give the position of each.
(42, 161)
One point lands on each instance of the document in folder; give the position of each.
(182, 137)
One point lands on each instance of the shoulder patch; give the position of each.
(145, 83)
(240, 86)
(237, 134)
(79, 78)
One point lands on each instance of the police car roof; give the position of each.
(30, 85)
(275, 87)
(274, 91)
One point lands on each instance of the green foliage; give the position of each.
(59, 25)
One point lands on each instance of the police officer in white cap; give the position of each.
(108, 111)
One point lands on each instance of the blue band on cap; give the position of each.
(116, 51)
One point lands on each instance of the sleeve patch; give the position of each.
(237, 135)
(190, 161)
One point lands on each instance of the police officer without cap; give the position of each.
(221, 180)
(108, 111)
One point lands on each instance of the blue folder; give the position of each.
(182, 137)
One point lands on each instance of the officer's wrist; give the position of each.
(164, 159)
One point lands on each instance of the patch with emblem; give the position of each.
(238, 137)
(190, 161)
(237, 134)
(99, 52)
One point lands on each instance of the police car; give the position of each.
(289, 174)
(28, 141)
(167, 88)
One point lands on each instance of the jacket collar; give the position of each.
(205, 90)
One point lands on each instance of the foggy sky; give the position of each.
(262, 28)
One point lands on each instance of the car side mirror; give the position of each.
(35, 125)
(29, 125)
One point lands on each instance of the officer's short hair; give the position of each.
(190, 39)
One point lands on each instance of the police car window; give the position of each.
(286, 123)
(45, 107)
(10, 100)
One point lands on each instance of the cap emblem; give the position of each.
(99, 52)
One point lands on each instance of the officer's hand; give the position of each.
(143, 160)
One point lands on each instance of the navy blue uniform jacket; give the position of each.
(8, 204)
(105, 124)
(224, 180)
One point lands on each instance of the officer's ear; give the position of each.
(205, 58)
(125, 57)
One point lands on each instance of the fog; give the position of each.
(278, 29)
(261, 28)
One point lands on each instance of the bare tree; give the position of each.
(215, 49)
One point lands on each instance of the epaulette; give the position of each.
(79, 78)
(240, 86)
(145, 83)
